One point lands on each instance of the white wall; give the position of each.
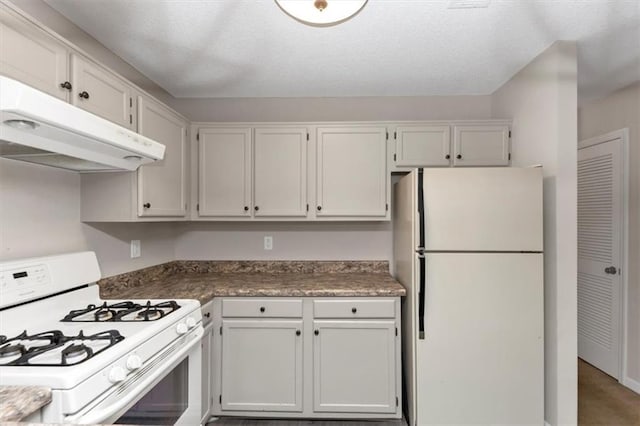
(335, 109)
(40, 215)
(542, 101)
(620, 110)
(291, 241)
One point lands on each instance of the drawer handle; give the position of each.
(262, 309)
(316, 332)
(354, 310)
(298, 332)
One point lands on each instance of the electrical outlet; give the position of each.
(268, 242)
(135, 248)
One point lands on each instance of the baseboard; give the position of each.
(631, 384)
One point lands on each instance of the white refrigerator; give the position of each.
(468, 248)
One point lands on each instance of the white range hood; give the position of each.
(39, 128)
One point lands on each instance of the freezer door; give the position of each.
(483, 209)
(482, 358)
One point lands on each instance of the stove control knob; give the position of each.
(190, 322)
(182, 328)
(117, 374)
(134, 362)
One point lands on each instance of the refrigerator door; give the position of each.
(481, 360)
(483, 209)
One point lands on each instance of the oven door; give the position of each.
(168, 393)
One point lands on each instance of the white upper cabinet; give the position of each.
(162, 186)
(422, 146)
(99, 91)
(351, 175)
(481, 145)
(30, 55)
(224, 172)
(280, 172)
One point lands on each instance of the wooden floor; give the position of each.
(603, 401)
(253, 422)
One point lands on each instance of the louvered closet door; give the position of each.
(599, 255)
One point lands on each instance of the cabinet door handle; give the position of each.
(256, 208)
(319, 208)
(447, 156)
(316, 332)
(298, 332)
(147, 205)
(66, 85)
(354, 310)
(262, 309)
(246, 208)
(208, 314)
(84, 95)
(459, 156)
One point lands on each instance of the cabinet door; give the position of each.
(480, 145)
(422, 146)
(32, 56)
(261, 365)
(224, 175)
(162, 184)
(100, 92)
(351, 172)
(354, 366)
(206, 375)
(280, 172)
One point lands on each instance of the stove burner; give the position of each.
(12, 350)
(73, 354)
(121, 312)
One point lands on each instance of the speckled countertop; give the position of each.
(204, 280)
(18, 402)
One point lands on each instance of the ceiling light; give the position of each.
(321, 12)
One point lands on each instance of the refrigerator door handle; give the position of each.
(421, 296)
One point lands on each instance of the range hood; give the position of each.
(39, 128)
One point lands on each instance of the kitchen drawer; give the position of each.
(267, 308)
(354, 308)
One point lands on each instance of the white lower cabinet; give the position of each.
(306, 357)
(262, 365)
(354, 366)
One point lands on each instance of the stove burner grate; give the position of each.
(120, 312)
(53, 340)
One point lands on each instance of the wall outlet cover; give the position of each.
(135, 248)
(268, 242)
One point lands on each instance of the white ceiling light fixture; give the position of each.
(321, 13)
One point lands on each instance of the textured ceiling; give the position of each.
(250, 48)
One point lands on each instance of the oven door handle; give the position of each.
(96, 416)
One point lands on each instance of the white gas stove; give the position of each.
(113, 361)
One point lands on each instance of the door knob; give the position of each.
(611, 270)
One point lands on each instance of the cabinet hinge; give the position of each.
(509, 156)
(396, 401)
(130, 119)
(221, 330)
(395, 135)
(198, 207)
(307, 207)
(394, 157)
(396, 331)
(386, 207)
(509, 133)
(198, 136)
(307, 136)
(387, 133)
(130, 102)
(220, 399)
